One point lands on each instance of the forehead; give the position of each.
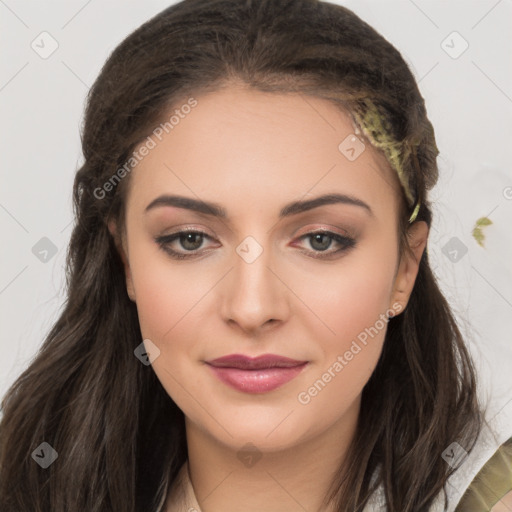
(242, 145)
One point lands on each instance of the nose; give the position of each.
(254, 297)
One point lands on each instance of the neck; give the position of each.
(296, 479)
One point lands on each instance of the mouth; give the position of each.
(256, 375)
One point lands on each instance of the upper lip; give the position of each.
(254, 363)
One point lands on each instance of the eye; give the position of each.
(190, 243)
(320, 241)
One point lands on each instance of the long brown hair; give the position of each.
(120, 438)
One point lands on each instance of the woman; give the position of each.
(252, 322)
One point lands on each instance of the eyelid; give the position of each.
(326, 227)
(187, 229)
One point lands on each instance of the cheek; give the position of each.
(357, 302)
(351, 299)
(166, 296)
(353, 308)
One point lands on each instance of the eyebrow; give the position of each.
(293, 208)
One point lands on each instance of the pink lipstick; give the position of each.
(256, 375)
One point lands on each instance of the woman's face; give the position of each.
(258, 281)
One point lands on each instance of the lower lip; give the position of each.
(256, 381)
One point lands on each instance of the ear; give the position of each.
(112, 227)
(405, 278)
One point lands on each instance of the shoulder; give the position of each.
(483, 483)
(491, 489)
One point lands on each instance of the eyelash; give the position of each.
(164, 242)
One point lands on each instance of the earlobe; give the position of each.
(417, 237)
(127, 271)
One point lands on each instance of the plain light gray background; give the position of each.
(469, 100)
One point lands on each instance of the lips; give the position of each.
(255, 375)
(255, 363)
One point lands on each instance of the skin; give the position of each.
(252, 153)
(504, 505)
